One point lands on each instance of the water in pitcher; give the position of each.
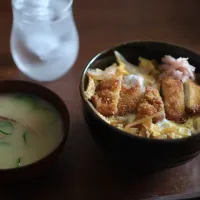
(44, 38)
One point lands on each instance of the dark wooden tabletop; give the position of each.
(83, 172)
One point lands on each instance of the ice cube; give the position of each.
(37, 3)
(63, 51)
(30, 4)
(35, 9)
(42, 44)
(18, 4)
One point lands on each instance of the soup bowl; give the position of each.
(139, 152)
(34, 169)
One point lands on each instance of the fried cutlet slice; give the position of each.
(192, 93)
(106, 96)
(174, 99)
(151, 104)
(129, 99)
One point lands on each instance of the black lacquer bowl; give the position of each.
(139, 152)
(33, 170)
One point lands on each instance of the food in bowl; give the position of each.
(30, 129)
(152, 100)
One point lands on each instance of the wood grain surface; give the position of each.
(83, 172)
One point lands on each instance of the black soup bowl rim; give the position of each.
(121, 132)
(66, 124)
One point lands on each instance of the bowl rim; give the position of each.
(92, 109)
(66, 124)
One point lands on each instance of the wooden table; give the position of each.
(83, 172)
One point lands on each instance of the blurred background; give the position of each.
(102, 24)
(85, 174)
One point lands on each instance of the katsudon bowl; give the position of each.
(139, 152)
(31, 98)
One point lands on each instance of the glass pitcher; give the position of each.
(44, 40)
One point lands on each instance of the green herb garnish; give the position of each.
(27, 100)
(19, 162)
(25, 136)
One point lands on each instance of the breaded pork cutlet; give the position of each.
(106, 96)
(151, 104)
(192, 93)
(129, 99)
(174, 99)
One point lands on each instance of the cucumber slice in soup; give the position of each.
(25, 136)
(25, 100)
(19, 162)
(6, 128)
